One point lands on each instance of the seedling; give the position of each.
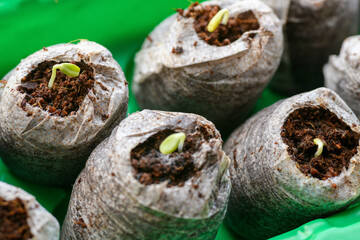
(221, 17)
(173, 142)
(320, 145)
(68, 69)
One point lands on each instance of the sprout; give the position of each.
(222, 16)
(68, 69)
(320, 145)
(173, 142)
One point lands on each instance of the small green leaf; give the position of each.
(173, 142)
(68, 69)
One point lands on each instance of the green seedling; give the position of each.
(68, 69)
(221, 17)
(173, 142)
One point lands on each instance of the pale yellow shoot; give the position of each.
(221, 17)
(68, 69)
(320, 145)
(173, 142)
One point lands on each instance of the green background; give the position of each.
(121, 25)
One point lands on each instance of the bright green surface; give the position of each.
(345, 225)
(121, 26)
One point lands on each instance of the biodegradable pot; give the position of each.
(51, 150)
(270, 195)
(110, 203)
(219, 83)
(280, 7)
(342, 73)
(42, 225)
(314, 30)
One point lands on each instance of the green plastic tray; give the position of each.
(121, 25)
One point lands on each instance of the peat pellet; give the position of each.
(131, 189)
(293, 162)
(23, 218)
(314, 31)
(220, 75)
(280, 7)
(47, 133)
(342, 73)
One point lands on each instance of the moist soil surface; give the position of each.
(13, 220)
(66, 94)
(224, 34)
(152, 167)
(304, 125)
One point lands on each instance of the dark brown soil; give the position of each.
(304, 125)
(153, 167)
(224, 34)
(66, 94)
(13, 220)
